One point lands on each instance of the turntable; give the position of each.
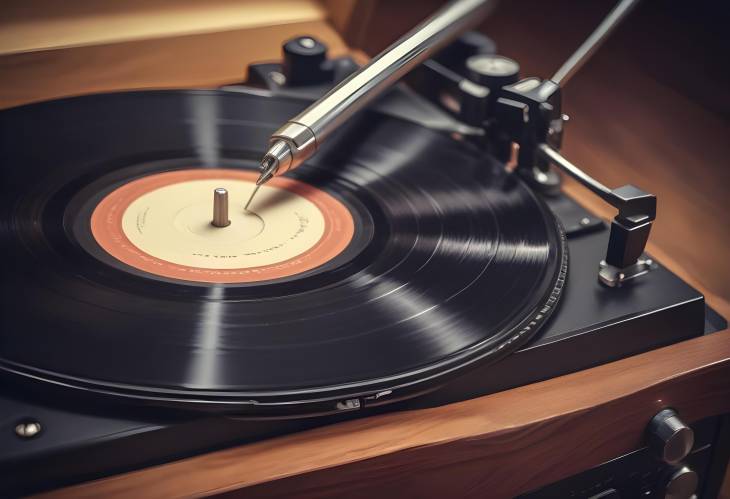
(425, 255)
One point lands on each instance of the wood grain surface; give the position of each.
(494, 446)
(181, 61)
(29, 26)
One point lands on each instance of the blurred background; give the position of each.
(651, 108)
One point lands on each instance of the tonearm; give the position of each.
(529, 115)
(519, 121)
(523, 121)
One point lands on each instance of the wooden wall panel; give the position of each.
(32, 25)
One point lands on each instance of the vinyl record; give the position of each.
(393, 260)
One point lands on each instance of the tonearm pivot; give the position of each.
(528, 113)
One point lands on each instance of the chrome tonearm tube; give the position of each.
(299, 138)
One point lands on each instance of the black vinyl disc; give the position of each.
(452, 262)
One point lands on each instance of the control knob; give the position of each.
(682, 484)
(304, 62)
(669, 438)
(492, 71)
(486, 75)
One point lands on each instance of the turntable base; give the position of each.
(521, 429)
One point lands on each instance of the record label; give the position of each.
(161, 224)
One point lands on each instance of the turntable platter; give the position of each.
(377, 270)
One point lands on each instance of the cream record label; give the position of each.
(161, 224)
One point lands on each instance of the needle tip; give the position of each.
(269, 166)
(250, 198)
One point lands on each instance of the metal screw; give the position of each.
(307, 43)
(278, 78)
(28, 429)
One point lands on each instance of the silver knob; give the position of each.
(669, 438)
(682, 484)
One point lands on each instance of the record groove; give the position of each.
(452, 262)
